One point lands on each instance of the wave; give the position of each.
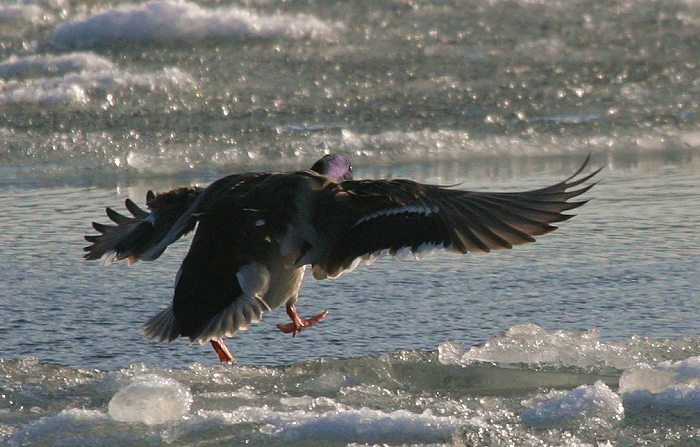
(74, 77)
(164, 21)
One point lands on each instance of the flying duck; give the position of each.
(256, 233)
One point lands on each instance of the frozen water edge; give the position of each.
(400, 398)
(668, 386)
(591, 402)
(531, 344)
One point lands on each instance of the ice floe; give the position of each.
(532, 344)
(669, 385)
(345, 424)
(595, 401)
(151, 399)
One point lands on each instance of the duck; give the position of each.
(256, 233)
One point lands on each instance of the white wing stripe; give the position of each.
(408, 209)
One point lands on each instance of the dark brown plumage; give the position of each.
(256, 232)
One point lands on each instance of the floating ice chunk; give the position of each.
(77, 427)
(346, 425)
(302, 401)
(668, 385)
(662, 376)
(531, 344)
(166, 21)
(587, 401)
(373, 426)
(150, 399)
(328, 382)
(450, 352)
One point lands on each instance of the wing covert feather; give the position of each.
(357, 219)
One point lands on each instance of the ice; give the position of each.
(328, 382)
(532, 344)
(587, 401)
(167, 21)
(151, 399)
(373, 426)
(345, 425)
(76, 427)
(666, 386)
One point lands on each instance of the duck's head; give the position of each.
(335, 166)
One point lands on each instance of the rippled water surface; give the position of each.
(588, 337)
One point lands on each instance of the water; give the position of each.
(589, 337)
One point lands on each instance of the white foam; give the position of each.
(150, 399)
(666, 386)
(78, 87)
(53, 65)
(595, 401)
(17, 16)
(166, 21)
(11, 14)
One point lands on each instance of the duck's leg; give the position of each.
(223, 352)
(299, 323)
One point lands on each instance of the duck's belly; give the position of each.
(284, 286)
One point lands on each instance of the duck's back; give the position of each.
(242, 259)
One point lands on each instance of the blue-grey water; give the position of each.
(590, 337)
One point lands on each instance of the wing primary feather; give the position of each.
(135, 209)
(508, 213)
(482, 227)
(498, 220)
(463, 233)
(116, 217)
(102, 228)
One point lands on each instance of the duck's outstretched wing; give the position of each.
(361, 220)
(146, 234)
(134, 235)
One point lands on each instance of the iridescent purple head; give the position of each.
(335, 166)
